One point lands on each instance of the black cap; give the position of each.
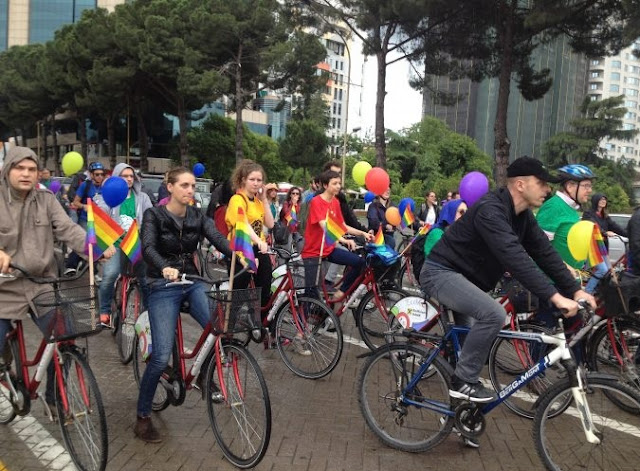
(528, 166)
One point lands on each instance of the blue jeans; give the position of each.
(339, 257)
(598, 273)
(110, 272)
(164, 308)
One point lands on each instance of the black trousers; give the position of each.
(262, 278)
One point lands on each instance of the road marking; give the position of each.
(50, 453)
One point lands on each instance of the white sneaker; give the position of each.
(300, 347)
(70, 272)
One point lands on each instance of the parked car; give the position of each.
(617, 244)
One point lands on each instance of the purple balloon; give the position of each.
(54, 186)
(115, 191)
(473, 186)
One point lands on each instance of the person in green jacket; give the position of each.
(450, 213)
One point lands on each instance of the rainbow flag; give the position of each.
(130, 245)
(597, 250)
(407, 218)
(102, 231)
(379, 239)
(241, 240)
(333, 230)
(292, 217)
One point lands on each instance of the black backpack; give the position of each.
(417, 255)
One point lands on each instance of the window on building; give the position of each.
(615, 76)
(595, 62)
(633, 81)
(335, 107)
(47, 16)
(616, 64)
(614, 87)
(593, 86)
(595, 97)
(335, 93)
(595, 74)
(630, 91)
(630, 104)
(630, 115)
(333, 122)
(339, 123)
(628, 127)
(4, 24)
(609, 146)
(340, 109)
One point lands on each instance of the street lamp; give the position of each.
(345, 145)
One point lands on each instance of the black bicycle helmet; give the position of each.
(575, 172)
(95, 166)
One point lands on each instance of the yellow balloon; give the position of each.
(359, 171)
(579, 239)
(392, 215)
(72, 163)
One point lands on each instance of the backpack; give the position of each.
(417, 255)
(219, 219)
(280, 232)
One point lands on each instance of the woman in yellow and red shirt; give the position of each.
(248, 180)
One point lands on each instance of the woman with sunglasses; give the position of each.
(451, 212)
(290, 215)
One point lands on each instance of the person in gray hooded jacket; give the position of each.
(133, 207)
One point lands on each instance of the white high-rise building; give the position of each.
(614, 76)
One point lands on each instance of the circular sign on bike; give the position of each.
(413, 311)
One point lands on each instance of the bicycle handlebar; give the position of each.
(41, 280)
(186, 279)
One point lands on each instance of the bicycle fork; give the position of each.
(580, 396)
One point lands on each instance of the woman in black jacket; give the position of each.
(608, 228)
(170, 236)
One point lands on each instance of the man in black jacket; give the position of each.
(498, 233)
(633, 230)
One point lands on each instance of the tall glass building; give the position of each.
(529, 123)
(35, 21)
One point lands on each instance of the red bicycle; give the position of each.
(125, 309)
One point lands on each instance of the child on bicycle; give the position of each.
(315, 246)
(170, 236)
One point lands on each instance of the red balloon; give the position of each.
(377, 180)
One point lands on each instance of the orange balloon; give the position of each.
(393, 216)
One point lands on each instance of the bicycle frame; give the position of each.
(366, 278)
(561, 352)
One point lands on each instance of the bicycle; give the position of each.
(406, 278)
(302, 322)
(63, 315)
(226, 373)
(404, 397)
(125, 309)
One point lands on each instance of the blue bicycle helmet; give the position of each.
(95, 166)
(575, 172)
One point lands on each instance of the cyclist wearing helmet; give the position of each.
(561, 211)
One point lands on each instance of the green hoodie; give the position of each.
(557, 217)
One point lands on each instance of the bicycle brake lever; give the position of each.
(183, 281)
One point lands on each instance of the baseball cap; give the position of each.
(528, 166)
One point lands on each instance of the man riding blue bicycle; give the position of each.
(498, 233)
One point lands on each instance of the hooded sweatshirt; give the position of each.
(27, 229)
(604, 222)
(142, 201)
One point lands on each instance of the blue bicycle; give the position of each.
(404, 397)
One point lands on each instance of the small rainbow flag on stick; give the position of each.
(130, 245)
(241, 241)
(379, 239)
(102, 231)
(407, 217)
(333, 230)
(292, 217)
(597, 250)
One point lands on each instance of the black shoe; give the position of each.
(474, 392)
(145, 430)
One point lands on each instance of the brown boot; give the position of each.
(145, 430)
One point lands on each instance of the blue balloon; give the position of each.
(198, 169)
(115, 191)
(404, 202)
(369, 196)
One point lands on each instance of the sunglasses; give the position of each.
(98, 174)
(294, 193)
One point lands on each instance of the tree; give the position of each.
(305, 145)
(601, 119)
(501, 35)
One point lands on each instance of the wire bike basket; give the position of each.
(240, 309)
(66, 314)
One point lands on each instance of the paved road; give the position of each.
(317, 426)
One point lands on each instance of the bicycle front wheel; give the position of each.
(239, 406)
(126, 328)
(10, 404)
(83, 422)
(382, 385)
(561, 442)
(372, 315)
(310, 339)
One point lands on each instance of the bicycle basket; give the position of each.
(307, 273)
(66, 314)
(628, 293)
(240, 308)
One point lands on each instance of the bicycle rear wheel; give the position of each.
(116, 305)
(373, 322)
(561, 442)
(161, 398)
(126, 328)
(83, 424)
(239, 406)
(616, 352)
(307, 347)
(382, 382)
(510, 358)
(406, 279)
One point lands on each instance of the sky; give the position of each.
(403, 105)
